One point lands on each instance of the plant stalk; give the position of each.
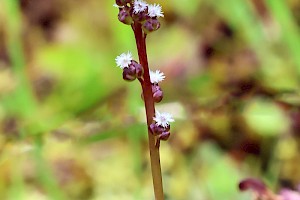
(140, 38)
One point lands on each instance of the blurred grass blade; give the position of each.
(17, 188)
(289, 31)
(45, 175)
(22, 102)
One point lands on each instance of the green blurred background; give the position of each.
(71, 128)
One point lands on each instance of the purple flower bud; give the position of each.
(157, 93)
(122, 2)
(139, 70)
(156, 130)
(151, 25)
(125, 15)
(158, 96)
(164, 136)
(155, 87)
(254, 184)
(129, 73)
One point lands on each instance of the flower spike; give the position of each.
(144, 19)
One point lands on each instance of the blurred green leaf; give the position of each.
(265, 118)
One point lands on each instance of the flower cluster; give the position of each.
(131, 68)
(147, 15)
(155, 78)
(161, 127)
(138, 12)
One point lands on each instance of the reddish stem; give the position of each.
(140, 38)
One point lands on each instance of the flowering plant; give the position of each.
(143, 19)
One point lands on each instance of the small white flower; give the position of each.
(157, 76)
(163, 119)
(155, 10)
(139, 6)
(124, 60)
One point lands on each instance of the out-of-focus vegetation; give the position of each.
(70, 128)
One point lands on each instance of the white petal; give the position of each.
(139, 6)
(124, 60)
(155, 10)
(157, 76)
(163, 119)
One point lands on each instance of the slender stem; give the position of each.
(150, 111)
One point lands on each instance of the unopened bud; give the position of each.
(164, 136)
(158, 96)
(157, 93)
(138, 68)
(124, 16)
(151, 25)
(129, 73)
(156, 130)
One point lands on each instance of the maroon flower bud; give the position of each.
(129, 73)
(164, 136)
(155, 87)
(156, 130)
(125, 16)
(158, 96)
(254, 184)
(122, 2)
(157, 93)
(151, 25)
(139, 70)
